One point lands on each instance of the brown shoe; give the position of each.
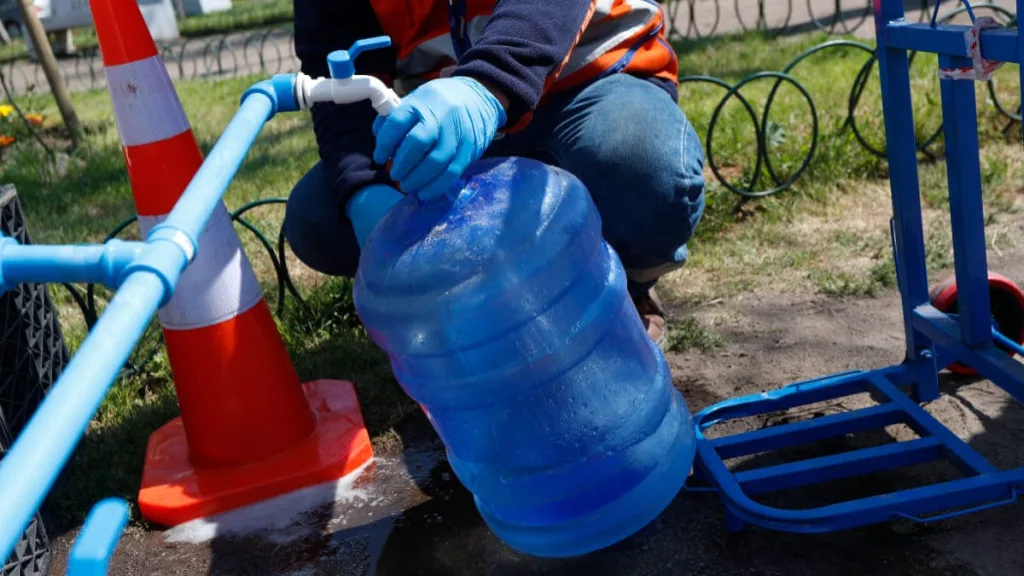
(653, 316)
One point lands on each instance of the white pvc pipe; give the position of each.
(310, 91)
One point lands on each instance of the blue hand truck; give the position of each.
(972, 325)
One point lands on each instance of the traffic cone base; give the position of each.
(174, 491)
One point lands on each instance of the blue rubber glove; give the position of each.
(436, 132)
(368, 206)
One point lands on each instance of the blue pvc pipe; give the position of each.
(204, 192)
(29, 469)
(91, 553)
(103, 263)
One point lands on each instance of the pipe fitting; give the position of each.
(163, 259)
(187, 244)
(90, 263)
(310, 91)
(280, 89)
(168, 251)
(116, 257)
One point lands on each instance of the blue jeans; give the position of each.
(623, 137)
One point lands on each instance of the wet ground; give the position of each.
(440, 533)
(407, 514)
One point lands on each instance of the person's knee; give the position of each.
(316, 230)
(668, 206)
(644, 167)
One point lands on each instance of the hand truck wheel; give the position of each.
(1007, 301)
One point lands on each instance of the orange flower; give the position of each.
(6, 140)
(36, 119)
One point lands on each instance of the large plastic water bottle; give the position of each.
(506, 316)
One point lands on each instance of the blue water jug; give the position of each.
(506, 316)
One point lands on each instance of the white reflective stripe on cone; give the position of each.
(218, 285)
(146, 107)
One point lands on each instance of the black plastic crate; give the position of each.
(32, 349)
(32, 356)
(31, 556)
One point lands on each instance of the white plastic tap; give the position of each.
(310, 91)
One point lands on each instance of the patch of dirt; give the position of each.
(417, 519)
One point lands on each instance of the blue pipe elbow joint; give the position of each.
(280, 89)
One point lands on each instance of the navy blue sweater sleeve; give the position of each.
(522, 45)
(344, 133)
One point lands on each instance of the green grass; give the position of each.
(92, 195)
(688, 334)
(244, 15)
(827, 234)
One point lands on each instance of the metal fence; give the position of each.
(266, 51)
(777, 17)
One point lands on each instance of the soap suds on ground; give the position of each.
(279, 520)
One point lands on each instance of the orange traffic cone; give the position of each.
(248, 430)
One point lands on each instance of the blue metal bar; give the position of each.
(963, 172)
(926, 425)
(837, 466)
(989, 361)
(48, 439)
(901, 151)
(960, 512)
(799, 394)
(807, 431)
(998, 44)
(103, 263)
(92, 550)
(922, 500)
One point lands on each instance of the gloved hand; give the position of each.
(368, 206)
(436, 132)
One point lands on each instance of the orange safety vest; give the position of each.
(620, 35)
